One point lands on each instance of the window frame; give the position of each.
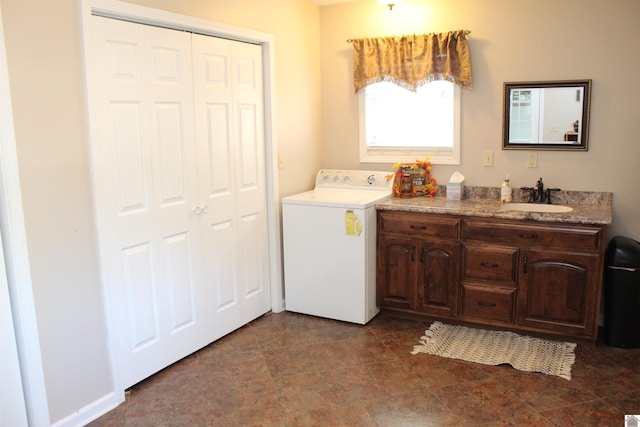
(437, 155)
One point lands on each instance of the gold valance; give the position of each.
(413, 60)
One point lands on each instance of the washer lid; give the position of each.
(338, 197)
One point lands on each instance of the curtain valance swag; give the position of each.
(412, 60)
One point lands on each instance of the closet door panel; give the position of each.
(225, 295)
(214, 164)
(215, 139)
(170, 94)
(229, 126)
(171, 155)
(140, 290)
(128, 154)
(126, 199)
(181, 287)
(253, 267)
(144, 134)
(250, 177)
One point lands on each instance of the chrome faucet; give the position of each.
(538, 194)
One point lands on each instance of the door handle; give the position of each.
(201, 210)
(529, 235)
(490, 265)
(486, 304)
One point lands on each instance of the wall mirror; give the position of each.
(550, 115)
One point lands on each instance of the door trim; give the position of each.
(160, 18)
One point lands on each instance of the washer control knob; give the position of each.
(371, 179)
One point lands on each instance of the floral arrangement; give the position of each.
(414, 179)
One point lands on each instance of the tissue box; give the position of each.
(455, 190)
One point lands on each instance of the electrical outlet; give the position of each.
(532, 160)
(280, 161)
(487, 158)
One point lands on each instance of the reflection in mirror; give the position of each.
(550, 115)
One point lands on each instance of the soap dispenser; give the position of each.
(506, 191)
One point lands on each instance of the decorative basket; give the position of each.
(414, 179)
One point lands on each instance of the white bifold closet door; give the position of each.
(178, 160)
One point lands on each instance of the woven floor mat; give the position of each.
(497, 348)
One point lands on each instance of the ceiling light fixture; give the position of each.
(390, 3)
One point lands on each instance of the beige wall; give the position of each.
(509, 41)
(45, 69)
(44, 50)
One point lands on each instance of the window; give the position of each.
(524, 114)
(397, 125)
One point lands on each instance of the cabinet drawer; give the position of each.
(418, 225)
(556, 236)
(491, 263)
(488, 303)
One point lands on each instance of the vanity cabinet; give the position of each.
(418, 263)
(530, 276)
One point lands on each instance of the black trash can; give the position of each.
(622, 293)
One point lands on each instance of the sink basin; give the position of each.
(532, 207)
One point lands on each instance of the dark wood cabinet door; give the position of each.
(438, 277)
(557, 291)
(395, 280)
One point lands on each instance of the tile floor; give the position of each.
(288, 369)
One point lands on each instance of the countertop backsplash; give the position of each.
(520, 196)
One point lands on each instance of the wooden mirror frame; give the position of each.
(582, 135)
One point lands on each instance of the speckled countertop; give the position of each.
(588, 207)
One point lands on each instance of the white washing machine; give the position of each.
(329, 239)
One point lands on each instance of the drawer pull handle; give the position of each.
(486, 304)
(529, 236)
(489, 265)
(413, 254)
(421, 228)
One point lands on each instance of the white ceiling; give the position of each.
(327, 2)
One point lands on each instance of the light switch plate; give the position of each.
(532, 160)
(487, 158)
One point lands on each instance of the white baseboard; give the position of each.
(92, 411)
